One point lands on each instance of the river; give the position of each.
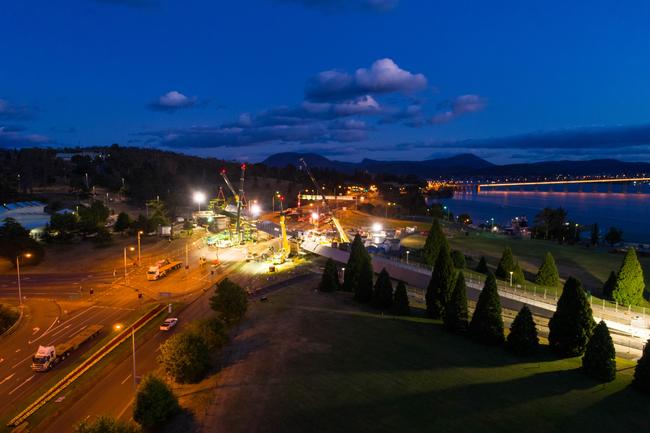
(625, 207)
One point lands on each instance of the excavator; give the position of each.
(343, 237)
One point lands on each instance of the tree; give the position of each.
(363, 287)
(93, 216)
(157, 214)
(630, 284)
(487, 324)
(212, 330)
(122, 223)
(155, 402)
(523, 339)
(229, 301)
(330, 280)
(106, 424)
(572, 323)
(518, 275)
(441, 283)
(358, 254)
(547, 274)
(595, 234)
(15, 241)
(456, 316)
(610, 284)
(506, 264)
(62, 226)
(458, 258)
(482, 266)
(401, 300)
(432, 244)
(614, 236)
(382, 296)
(550, 224)
(642, 371)
(599, 361)
(465, 219)
(184, 357)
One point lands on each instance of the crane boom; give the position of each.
(237, 196)
(239, 201)
(335, 222)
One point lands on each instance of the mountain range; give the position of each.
(463, 165)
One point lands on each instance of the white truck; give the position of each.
(47, 357)
(161, 268)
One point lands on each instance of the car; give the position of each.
(168, 324)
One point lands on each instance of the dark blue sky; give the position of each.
(384, 79)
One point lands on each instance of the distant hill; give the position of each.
(465, 164)
(455, 165)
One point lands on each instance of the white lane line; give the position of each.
(121, 383)
(21, 361)
(7, 378)
(59, 331)
(16, 388)
(125, 408)
(45, 332)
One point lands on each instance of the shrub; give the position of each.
(441, 284)
(547, 274)
(487, 324)
(456, 318)
(382, 296)
(330, 280)
(642, 371)
(401, 300)
(482, 266)
(629, 281)
(106, 424)
(213, 332)
(155, 402)
(572, 323)
(599, 361)
(458, 258)
(184, 357)
(523, 339)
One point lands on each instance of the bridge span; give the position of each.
(564, 182)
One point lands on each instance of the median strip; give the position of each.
(85, 366)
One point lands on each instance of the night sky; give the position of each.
(511, 81)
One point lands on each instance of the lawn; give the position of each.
(308, 361)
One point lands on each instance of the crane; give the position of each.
(333, 220)
(238, 196)
(285, 249)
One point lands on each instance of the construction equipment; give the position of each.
(281, 256)
(239, 197)
(343, 237)
(47, 357)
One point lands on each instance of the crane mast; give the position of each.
(238, 196)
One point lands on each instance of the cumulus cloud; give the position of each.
(10, 137)
(384, 76)
(334, 6)
(173, 101)
(461, 105)
(9, 111)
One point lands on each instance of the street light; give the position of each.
(407, 256)
(20, 294)
(140, 233)
(118, 327)
(130, 249)
(199, 197)
(510, 278)
(256, 209)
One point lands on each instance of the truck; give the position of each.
(46, 357)
(161, 268)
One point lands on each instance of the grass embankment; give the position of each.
(307, 361)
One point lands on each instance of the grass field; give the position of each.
(315, 362)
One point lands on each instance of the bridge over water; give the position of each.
(551, 183)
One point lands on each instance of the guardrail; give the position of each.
(85, 366)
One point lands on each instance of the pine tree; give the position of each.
(547, 274)
(382, 296)
(363, 285)
(629, 281)
(642, 371)
(482, 266)
(608, 287)
(458, 258)
(518, 275)
(599, 361)
(572, 323)
(358, 254)
(401, 300)
(330, 280)
(456, 317)
(487, 324)
(506, 264)
(432, 244)
(523, 339)
(441, 283)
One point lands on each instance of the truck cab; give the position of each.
(44, 358)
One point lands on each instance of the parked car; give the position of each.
(168, 324)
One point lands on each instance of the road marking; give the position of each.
(7, 378)
(18, 350)
(35, 330)
(121, 383)
(21, 361)
(125, 408)
(60, 330)
(46, 331)
(16, 388)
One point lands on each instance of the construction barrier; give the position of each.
(85, 366)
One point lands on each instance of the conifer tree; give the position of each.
(435, 238)
(482, 266)
(458, 258)
(523, 339)
(401, 300)
(518, 275)
(599, 361)
(547, 274)
(456, 317)
(382, 296)
(506, 264)
(330, 280)
(642, 371)
(572, 323)
(363, 286)
(441, 283)
(629, 281)
(487, 324)
(608, 287)
(358, 254)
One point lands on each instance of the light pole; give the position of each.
(20, 293)
(125, 275)
(119, 327)
(407, 256)
(277, 193)
(510, 278)
(140, 232)
(199, 197)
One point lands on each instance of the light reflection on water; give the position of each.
(626, 208)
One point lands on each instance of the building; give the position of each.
(29, 214)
